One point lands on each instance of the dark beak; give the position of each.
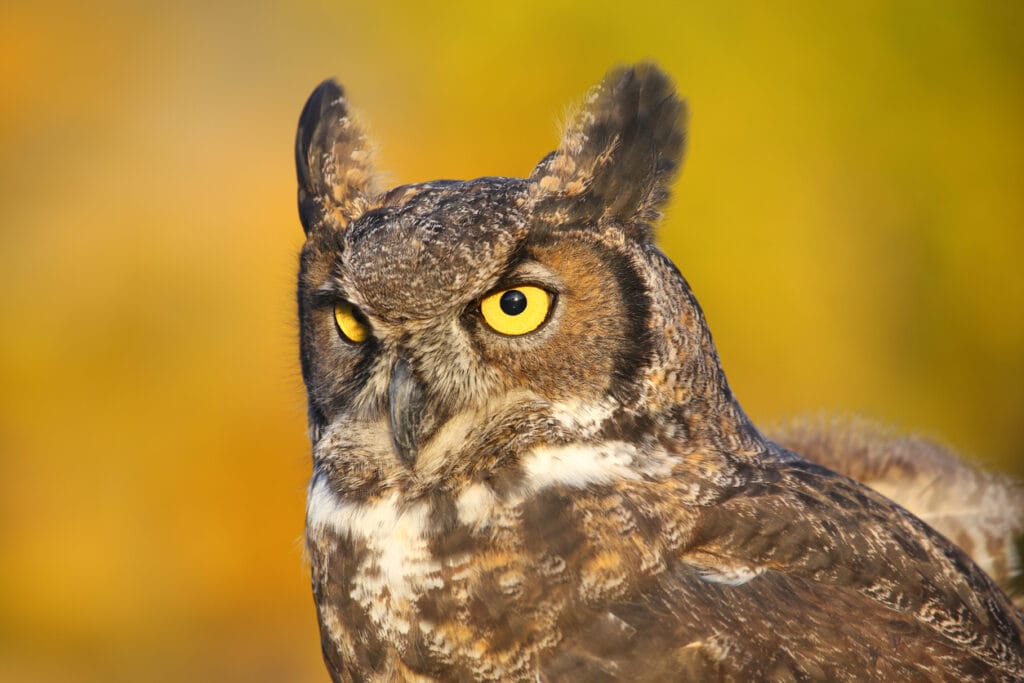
(407, 405)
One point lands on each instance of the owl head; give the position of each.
(449, 326)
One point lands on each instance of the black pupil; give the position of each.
(513, 302)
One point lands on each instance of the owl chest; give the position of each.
(389, 588)
(373, 566)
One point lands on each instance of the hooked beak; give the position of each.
(407, 406)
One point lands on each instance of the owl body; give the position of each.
(982, 512)
(528, 464)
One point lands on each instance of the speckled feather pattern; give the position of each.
(981, 511)
(588, 501)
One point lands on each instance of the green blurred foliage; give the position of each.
(850, 216)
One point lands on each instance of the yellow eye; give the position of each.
(517, 310)
(351, 323)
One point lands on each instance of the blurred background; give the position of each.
(850, 216)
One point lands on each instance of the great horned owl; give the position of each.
(529, 466)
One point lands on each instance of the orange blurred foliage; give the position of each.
(850, 216)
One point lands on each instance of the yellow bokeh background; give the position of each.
(850, 216)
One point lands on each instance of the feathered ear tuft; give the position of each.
(620, 153)
(333, 162)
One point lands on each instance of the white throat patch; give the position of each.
(398, 567)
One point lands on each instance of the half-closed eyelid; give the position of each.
(351, 322)
(324, 298)
(329, 295)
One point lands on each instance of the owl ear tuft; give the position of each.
(619, 154)
(333, 162)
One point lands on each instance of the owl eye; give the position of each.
(351, 322)
(517, 310)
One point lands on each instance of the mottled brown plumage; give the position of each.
(584, 500)
(982, 512)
